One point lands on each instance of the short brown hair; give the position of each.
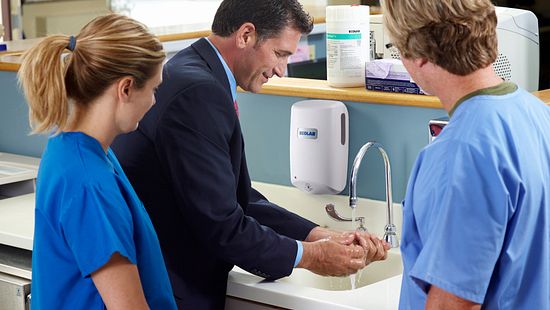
(268, 16)
(457, 35)
(107, 48)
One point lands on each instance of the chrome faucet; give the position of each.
(331, 211)
(390, 235)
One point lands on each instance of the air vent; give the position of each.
(502, 67)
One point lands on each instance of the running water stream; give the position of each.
(352, 277)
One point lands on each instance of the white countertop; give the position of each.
(15, 168)
(17, 221)
(17, 213)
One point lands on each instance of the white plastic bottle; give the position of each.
(348, 44)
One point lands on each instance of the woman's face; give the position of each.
(141, 100)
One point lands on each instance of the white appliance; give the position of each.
(319, 146)
(518, 46)
(17, 180)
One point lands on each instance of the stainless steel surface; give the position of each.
(331, 211)
(14, 292)
(15, 278)
(15, 262)
(17, 188)
(390, 229)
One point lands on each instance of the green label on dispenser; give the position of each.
(344, 36)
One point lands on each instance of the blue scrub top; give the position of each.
(86, 210)
(476, 219)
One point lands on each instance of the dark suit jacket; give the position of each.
(187, 163)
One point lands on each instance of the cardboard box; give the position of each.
(389, 75)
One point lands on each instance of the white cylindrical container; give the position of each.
(319, 146)
(348, 44)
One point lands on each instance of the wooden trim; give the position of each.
(319, 19)
(543, 95)
(184, 36)
(8, 66)
(205, 33)
(6, 19)
(318, 89)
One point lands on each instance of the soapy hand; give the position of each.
(330, 258)
(375, 249)
(342, 237)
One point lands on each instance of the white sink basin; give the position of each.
(373, 273)
(377, 286)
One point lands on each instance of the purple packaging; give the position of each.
(389, 75)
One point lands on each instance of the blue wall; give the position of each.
(266, 121)
(403, 131)
(14, 121)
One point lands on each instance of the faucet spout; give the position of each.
(390, 230)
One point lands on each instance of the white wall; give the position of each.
(68, 17)
(173, 16)
(1, 27)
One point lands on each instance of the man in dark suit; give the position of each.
(187, 164)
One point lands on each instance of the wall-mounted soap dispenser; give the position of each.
(319, 146)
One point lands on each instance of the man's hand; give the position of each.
(329, 258)
(319, 233)
(375, 249)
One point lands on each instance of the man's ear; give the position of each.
(246, 35)
(420, 62)
(124, 88)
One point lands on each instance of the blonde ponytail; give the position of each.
(42, 77)
(106, 49)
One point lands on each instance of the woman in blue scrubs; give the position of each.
(94, 244)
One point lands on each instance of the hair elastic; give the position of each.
(72, 43)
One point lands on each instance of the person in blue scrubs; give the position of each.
(94, 244)
(476, 225)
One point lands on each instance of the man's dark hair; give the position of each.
(269, 17)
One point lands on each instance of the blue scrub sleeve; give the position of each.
(467, 213)
(96, 224)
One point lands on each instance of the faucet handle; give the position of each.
(331, 211)
(390, 236)
(362, 226)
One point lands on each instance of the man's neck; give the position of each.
(225, 48)
(454, 87)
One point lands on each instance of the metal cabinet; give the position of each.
(15, 278)
(14, 292)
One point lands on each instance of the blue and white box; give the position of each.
(389, 75)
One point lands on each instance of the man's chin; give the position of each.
(255, 88)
